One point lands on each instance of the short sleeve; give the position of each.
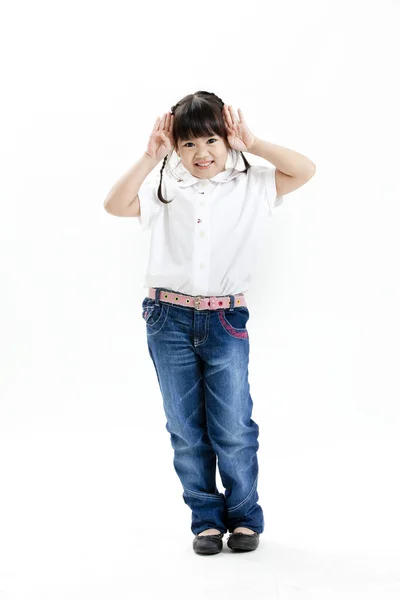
(150, 204)
(262, 182)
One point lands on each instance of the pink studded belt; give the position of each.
(198, 302)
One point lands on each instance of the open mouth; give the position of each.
(203, 166)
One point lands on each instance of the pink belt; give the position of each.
(198, 302)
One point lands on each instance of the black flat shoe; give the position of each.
(243, 541)
(208, 544)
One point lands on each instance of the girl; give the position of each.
(206, 223)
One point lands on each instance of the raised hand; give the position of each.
(239, 135)
(161, 139)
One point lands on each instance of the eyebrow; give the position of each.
(209, 137)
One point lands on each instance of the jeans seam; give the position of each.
(204, 494)
(247, 497)
(203, 341)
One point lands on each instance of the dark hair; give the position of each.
(197, 115)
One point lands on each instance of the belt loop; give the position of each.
(157, 298)
(232, 304)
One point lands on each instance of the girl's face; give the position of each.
(203, 150)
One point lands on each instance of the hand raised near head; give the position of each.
(161, 140)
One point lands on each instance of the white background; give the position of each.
(90, 504)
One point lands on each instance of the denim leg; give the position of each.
(232, 431)
(180, 375)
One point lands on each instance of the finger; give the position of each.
(234, 117)
(160, 123)
(228, 115)
(156, 124)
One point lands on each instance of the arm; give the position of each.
(292, 168)
(122, 199)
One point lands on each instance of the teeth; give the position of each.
(204, 164)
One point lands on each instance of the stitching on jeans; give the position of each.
(205, 495)
(207, 327)
(230, 329)
(247, 497)
(150, 326)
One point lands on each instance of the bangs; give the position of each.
(199, 121)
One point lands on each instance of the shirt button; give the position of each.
(202, 233)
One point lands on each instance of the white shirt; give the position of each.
(206, 240)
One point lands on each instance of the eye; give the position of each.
(208, 140)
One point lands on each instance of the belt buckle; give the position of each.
(197, 301)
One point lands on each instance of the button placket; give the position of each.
(202, 246)
(202, 184)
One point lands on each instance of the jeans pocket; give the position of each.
(148, 307)
(154, 315)
(234, 322)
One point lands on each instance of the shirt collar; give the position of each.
(189, 179)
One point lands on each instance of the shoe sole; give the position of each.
(242, 549)
(207, 551)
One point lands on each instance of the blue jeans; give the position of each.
(201, 360)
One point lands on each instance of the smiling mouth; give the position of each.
(204, 166)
